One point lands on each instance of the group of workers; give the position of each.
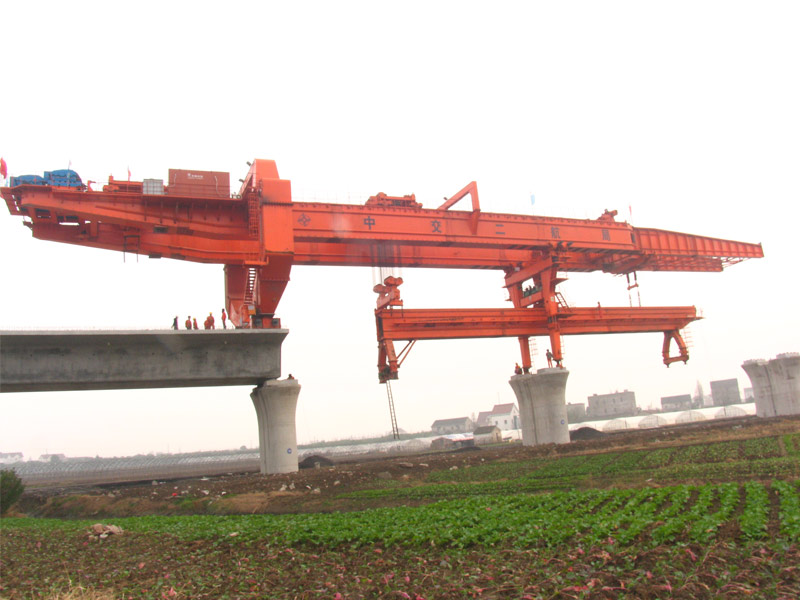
(191, 322)
(520, 370)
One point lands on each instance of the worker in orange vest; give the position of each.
(188, 322)
(224, 319)
(210, 321)
(194, 322)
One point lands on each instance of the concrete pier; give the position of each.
(776, 384)
(542, 406)
(276, 404)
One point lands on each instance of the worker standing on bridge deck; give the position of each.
(224, 319)
(188, 323)
(549, 356)
(517, 369)
(194, 323)
(211, 321)
(175, 323)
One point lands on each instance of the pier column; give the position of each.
(276, 403)
(776, 384)
(542, 406)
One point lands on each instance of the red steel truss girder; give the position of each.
(661, 242)
(316, 222)
(202, 217)
(619, 264)
(216, 231)
(435, 324)
(246, 251)
(183, 247)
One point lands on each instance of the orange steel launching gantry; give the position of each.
(259, 233)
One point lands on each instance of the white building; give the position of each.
(6, 458)
(504, 416)
(458, 425)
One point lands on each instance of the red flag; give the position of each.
(129, 173)
(3, 168)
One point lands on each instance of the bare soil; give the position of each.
(320, 489)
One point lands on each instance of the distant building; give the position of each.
(483, 418)
(576, 412)
(459, 425)
(608, 406)
(52, 457)
(674, 403)
(725, 392)
(488, 434)
(6, 458)
(505, 416)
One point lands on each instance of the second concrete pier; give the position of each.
(776, 384)
(542, 406)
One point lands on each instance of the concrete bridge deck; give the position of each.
(47, 361)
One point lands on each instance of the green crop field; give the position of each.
(719, 520)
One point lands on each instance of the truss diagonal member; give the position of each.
(470, 189)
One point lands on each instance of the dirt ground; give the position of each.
(318, 489)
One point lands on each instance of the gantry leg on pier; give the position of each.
(276, 404)
(541, 397)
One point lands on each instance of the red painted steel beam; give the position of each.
(439, 324)
(335, 234)
(669, 243)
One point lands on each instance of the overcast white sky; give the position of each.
(685, 111)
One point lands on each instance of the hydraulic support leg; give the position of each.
(683, 352)
(525, 350)
(548, 285)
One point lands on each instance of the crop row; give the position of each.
(789, 508)
(646, 516)
(759, 456)
(556, 478)
(761, 447)
(792, 443)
